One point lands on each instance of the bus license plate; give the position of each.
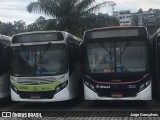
(35, 97)
(117, 95)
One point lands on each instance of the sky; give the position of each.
(14, 10)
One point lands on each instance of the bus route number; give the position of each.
(23, 87)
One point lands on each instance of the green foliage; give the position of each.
(150, 19)
(70, 14)
(6, 28)
(19, 26)
(74, 16)
(88, 22)
(42, 24)
(135, 20)
(12, 28)
(100, 20)
(140, 11)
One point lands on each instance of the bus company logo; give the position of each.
(21, 115)
(103, 86)
(6, 114)
(97, 86)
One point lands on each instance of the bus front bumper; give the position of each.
(62, 95)
(145, 94)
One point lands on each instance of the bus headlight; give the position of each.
(14, 88)
(89, 85)
(147, 83)
(61, 86)
(58, 88)
(144, 85)
(64, 84)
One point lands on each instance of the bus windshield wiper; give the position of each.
(108, 51)
(125, 47)
(46, 49)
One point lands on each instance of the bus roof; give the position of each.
(115, 27)
(60, 37)
(49, 31)
(115, 31)
(34, 32)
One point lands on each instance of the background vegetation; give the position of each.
(74, 16)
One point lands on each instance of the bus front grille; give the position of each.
(122, 93)
(36, 95)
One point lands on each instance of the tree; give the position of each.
(135, 20)
(140, 11)
(150, 10)
(102, 20)
(51, 24)
(88, 22)
(19, 26)
(7, 29)
(38, 25)
(69, 14)
(42, 24)
(12, 28)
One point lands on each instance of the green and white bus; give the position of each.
(45, 66)
(5, 42)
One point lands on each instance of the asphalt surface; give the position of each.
(81, 110)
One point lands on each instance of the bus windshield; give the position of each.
(39, 60)
(117, 56)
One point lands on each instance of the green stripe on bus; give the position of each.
(36, 88)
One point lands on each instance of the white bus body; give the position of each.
(52, 58)
(116, 64)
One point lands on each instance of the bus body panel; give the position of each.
(61, 96)
(5, 42)
(133, 89)
(64, 86)
(110, 39)
(4, 85)
(143, 95)
(155, 63)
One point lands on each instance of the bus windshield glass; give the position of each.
(117, 56)
(39, 60)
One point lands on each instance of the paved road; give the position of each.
(79, 109)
